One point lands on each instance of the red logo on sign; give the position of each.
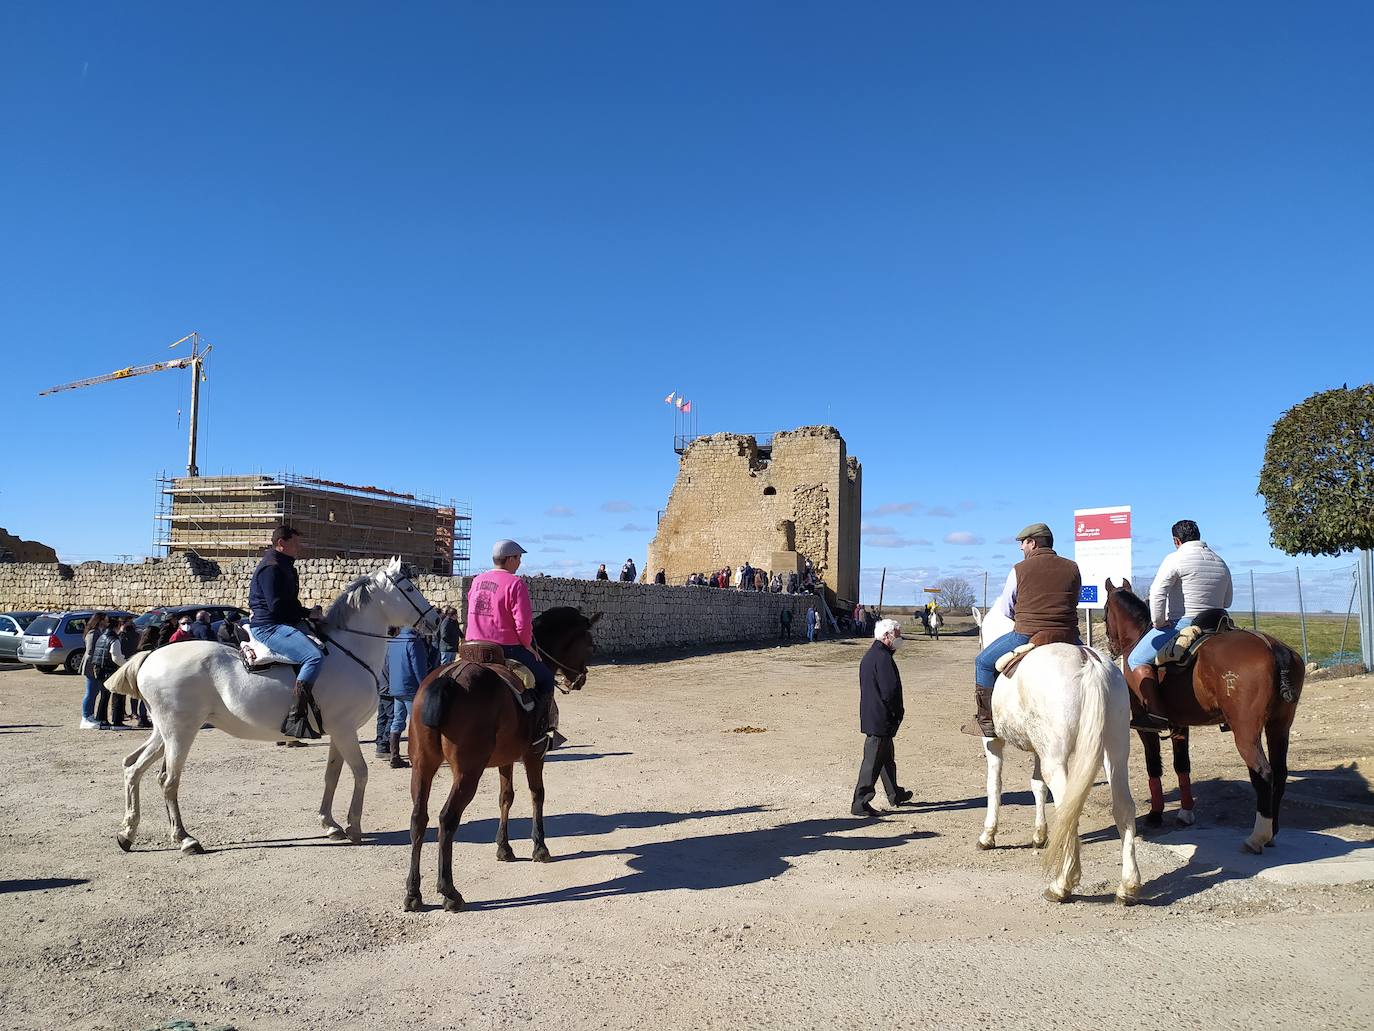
(1107, 526)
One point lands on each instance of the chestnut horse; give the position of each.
(1243, 678)
(471, 721)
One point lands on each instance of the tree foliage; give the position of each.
(1318, 476)
(955, 593)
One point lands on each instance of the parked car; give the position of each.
(161, 614)
(12, 625)
(54, 639)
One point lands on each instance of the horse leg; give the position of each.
(347, 745)
(1154, 772)
(1261, 777)
(421, 780)
(506, 796)
(1183, 770)
(1041, 791)
(1276, 735)
(171, 781)
(992, 748)
(135, 765)
(332, 768)
(534, 776)
(459, 796)
(1116, 759)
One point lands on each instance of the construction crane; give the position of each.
(195, 361)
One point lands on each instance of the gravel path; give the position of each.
(705, 876)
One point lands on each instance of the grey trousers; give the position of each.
(880, 761)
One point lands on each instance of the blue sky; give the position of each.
(1028, 258)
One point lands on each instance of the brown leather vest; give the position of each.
(1046, 593)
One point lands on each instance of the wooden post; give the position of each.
(882, 583)
(1302, 618)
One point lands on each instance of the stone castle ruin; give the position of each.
(774, 505)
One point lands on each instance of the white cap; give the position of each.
(505, 549)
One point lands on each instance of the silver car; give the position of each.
(12, 626)
(56, 639)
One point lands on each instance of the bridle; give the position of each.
(575, 678)
(420, 614)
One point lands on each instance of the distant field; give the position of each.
(1323, 632)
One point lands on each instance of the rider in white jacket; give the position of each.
(1190, 580)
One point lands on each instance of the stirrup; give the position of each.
(1148, 721)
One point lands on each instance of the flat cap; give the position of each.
(1035, 530)
(505, 549)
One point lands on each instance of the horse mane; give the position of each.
(1132, 606)
(354, 597)
(560, 623)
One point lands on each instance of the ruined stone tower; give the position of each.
(794, 498)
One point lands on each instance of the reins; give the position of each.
(573, 676)
(344, 628)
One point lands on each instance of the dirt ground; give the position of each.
(704, 877)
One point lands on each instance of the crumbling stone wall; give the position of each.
(730, 505)
(636, 617)
(15, 549)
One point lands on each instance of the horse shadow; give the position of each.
(711, 861)
(560, 825)
(1009, 798)
(40, 884)
(572, 757)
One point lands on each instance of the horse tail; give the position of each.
(1094, 683)
(438, 695)
(1289, 672)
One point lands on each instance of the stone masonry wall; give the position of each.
(635, 617)
(729, 506)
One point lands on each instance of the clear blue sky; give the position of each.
(1027, 258)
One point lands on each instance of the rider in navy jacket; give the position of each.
(274, 594)
(274, 597)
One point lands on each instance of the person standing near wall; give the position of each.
(785, 619)
(811, 621)
(407, 665)
(386, 705)
(450, 636)
(94, 628)
(102, 665)
(601, 573)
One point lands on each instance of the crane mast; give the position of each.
(195, 361)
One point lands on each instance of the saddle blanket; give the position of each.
(1183, 648)
(258, 657)
(516, 675)
(1007, 664)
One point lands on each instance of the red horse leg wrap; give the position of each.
(1185, 791)
(1157, 796)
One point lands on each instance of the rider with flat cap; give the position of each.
(274, 595)
(499, 611)
(1041, 593)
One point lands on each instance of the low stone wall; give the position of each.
(635, 617)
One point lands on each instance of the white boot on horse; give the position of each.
(1069, 707)
(192, 683)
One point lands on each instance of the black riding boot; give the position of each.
(297, 722)
(398, 761)
(1146, 715)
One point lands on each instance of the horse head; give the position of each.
(1124, 613)
(400, 600)
(564, 636)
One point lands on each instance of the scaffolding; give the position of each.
(229, 517)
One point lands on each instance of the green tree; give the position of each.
(1318, 476)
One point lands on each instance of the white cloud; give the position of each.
(870, 528)
(942, 512)
(561, 537)
(963, 537)
(617, 506)
(636, 528)
(559, 511)
(895, 541)
(896, 508)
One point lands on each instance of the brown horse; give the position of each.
(472, 721)
(1243, 678)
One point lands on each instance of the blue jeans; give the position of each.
(1143, 654)
(88, 700)
(295, 645)
(543, 676)
(386, 708)
(400, 714)
(446, 657)
(985, 665)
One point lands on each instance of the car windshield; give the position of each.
(42, 626)
(148, 618)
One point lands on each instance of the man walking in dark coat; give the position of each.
(880, 715)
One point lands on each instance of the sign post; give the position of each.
(1102, 549)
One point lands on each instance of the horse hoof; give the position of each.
(541, 855)
(1126, 900)
(1186, 818)
(454, 904)
(124, 843)
(334, 833)
(505, 855)
(986, 843)
(414, 904)
(354, 837)
(1154, 819)
(192, 847)
(1053, 896)
(1040, 841)
(1269, 843)
(1252, 848)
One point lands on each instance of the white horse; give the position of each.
(1068, 706)
(936, 622)
(192, 683)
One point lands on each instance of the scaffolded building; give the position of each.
(229, 517)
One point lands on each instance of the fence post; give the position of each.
(1254, 611)
(1349, 608)
(1365, 568)
(1302, 617)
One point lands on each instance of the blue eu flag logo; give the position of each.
(1087, 595)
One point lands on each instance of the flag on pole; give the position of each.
(672, 396)
(687, 407)
(680, 402)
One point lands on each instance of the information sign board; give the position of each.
(1102, 549)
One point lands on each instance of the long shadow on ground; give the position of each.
(713, 860)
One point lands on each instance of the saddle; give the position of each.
(515, 675)
(1007, 664)
(1183, 649)
(258, 658)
